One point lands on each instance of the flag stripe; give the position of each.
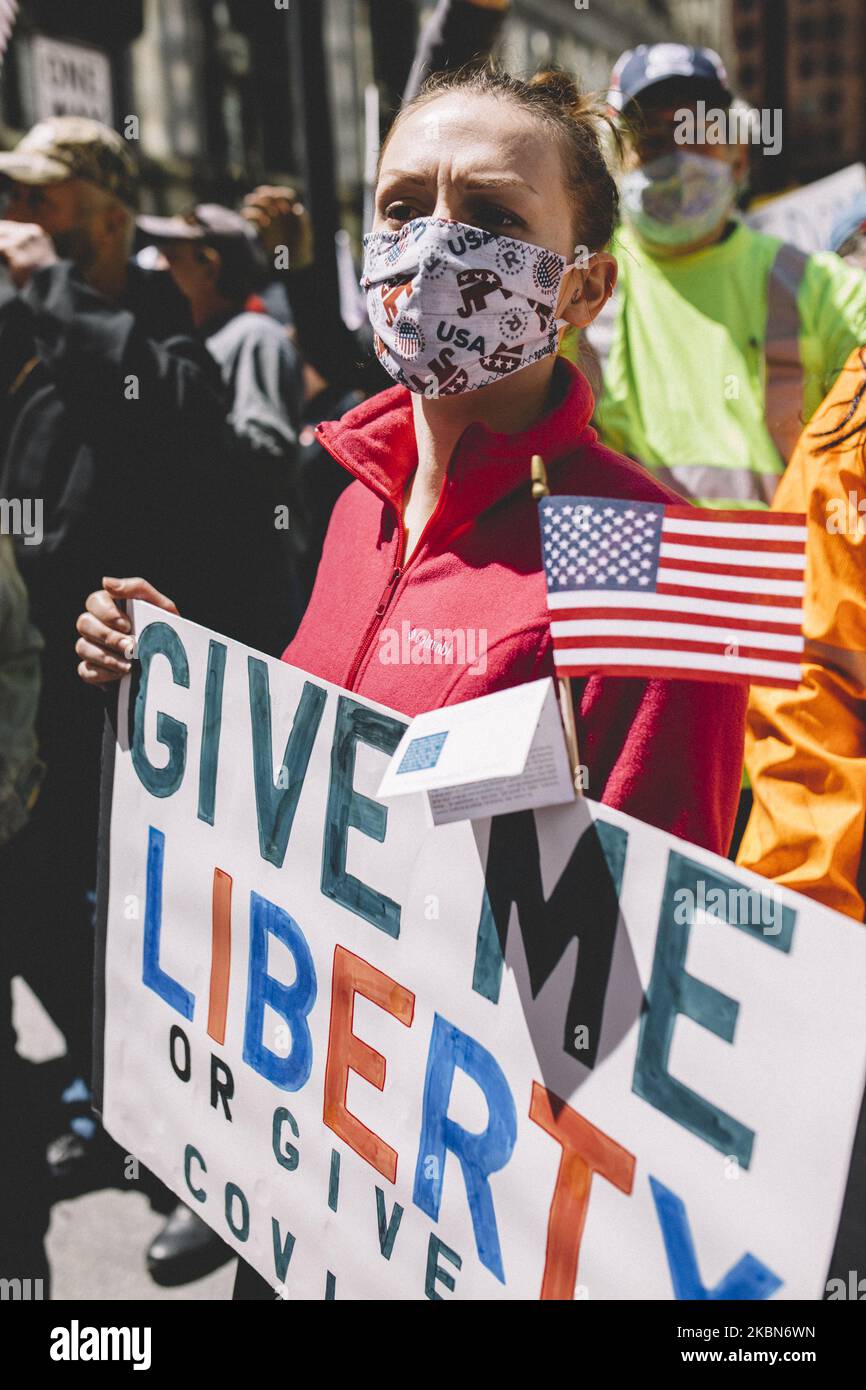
(599, 631)
(678, 512)
(613, 616)
(782, 559)
(747, 571)
(672, 581)
(718, 651)
(749, 531)
(581, 671)
(754, 606)
(650, 658)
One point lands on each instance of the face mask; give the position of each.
(454, 308)
(678, 198)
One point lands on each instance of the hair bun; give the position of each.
(558, 86)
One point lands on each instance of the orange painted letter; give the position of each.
(585, 1150)
(221, 955)
(346, 1053)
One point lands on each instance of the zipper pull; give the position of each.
(386, 592)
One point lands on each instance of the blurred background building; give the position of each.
(809, 58)
(228, 93)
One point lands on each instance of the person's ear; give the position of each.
(586, 289)
(115, 221)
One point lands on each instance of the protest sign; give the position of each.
(805, 216)
(556, 1054)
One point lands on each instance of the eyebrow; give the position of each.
(402, 176)
(478, 184)
(497, 181)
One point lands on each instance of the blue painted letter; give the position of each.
(152, 973)
(479, 1155)
(292, 1002)
(749, 1278)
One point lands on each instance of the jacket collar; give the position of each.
(376, 442)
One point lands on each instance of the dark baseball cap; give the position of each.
(649, 64)
(212, 225)
(206, 222)
(74, 147)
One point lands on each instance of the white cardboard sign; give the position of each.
(556, 1054)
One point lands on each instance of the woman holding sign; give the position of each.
(493, 206)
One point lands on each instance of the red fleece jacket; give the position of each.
(669, 752)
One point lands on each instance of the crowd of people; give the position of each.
(163, 387)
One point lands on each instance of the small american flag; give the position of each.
(8, 14)
(643, 589)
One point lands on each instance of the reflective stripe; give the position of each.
(716, 485)
(848, 663)
(783, 395)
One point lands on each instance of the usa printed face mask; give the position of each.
(454, 308)
(678, 198)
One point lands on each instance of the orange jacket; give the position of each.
(806, 748)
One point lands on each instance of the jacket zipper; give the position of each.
(397, 573)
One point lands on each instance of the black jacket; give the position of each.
(114, 417)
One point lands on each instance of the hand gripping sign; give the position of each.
(557, 1054)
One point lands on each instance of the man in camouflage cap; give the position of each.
(73, 189)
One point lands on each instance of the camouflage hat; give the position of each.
(74, 147)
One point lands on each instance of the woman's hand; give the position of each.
(105, 643)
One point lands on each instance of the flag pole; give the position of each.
(541, 489)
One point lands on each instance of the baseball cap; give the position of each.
(74, 147)
(649, 64)
(206, 222)
(214, 225)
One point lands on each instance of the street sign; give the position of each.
(70, 79)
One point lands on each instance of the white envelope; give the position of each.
(501, 752)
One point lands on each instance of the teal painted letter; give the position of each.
(276, 802)
(158, 639)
